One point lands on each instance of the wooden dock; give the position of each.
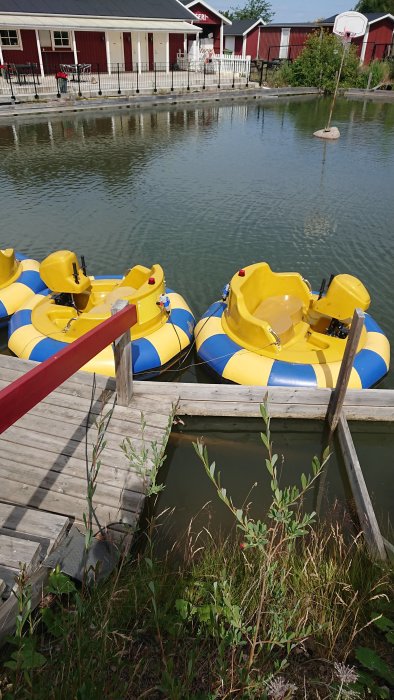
(43, 456)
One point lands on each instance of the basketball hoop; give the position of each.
(347, 26)
(346, 37)
(350, 25)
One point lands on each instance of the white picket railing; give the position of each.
(232, 64)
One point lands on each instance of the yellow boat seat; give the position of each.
(136, 277)
(8, 266)
(282, 313)
(263, 304)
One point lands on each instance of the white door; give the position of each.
(160, 50)
(116, 50)
(229, 43)
(284, 44)
(144, 49)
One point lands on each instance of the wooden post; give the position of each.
(365, 511)
(123, 366)
(338, 394)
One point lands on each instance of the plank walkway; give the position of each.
(284, 402)
(26, 536)
(43, 455)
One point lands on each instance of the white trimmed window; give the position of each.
(61, 40)
(10, 39)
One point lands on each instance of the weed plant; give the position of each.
(318, 64)
(281, 608)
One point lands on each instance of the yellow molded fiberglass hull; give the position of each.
(150, 352)
(237, 339)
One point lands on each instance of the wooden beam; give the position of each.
(123, 366)
(18, 398)
(338, 395)
(365, 511)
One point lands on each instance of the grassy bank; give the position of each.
(281, 608)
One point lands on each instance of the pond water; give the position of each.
(206, 190)
(237, 449)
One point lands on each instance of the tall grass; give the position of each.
(274, 610)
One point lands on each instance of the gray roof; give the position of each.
(239, 27)
(312, 25)
(146, 9)
(371, 17)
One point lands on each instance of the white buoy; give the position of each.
(331, 133)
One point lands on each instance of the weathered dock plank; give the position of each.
(14, 550)
(46, 528)
(365, 511)
(234, 400)
(43, 456)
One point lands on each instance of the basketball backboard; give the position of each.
(350, 24)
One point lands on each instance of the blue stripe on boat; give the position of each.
(218, 350)
(144, 355)
(184, 320)
(292, 374)
(216, 309)
(370, 367)
(20, 256)
(3, 311)
(371, 325)
(46, 348)
(32, 279)
(19, 319)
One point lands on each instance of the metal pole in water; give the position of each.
(336, 88)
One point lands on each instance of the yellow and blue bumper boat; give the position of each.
(270, 329)
(74, 303)
(19, 280)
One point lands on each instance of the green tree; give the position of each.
(253, 9)
(319, 62)
(375, 6)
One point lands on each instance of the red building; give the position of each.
(377, 42)
(101, 33)
(285, 41)
(242, 37)
(212, 25)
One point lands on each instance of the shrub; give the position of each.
(319, 63)
(378, 70)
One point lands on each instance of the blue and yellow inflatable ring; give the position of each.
(149, 353)
(235, 364)
(24, 283)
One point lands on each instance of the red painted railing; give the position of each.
(27, 391)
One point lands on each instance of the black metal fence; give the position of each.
(89, 80)
(373, 51)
